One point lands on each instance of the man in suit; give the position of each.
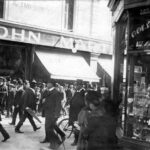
(52, 108)
(18, 102)
(29, 101)
(76, 104)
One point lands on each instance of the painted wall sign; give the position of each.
(54, 40)
(140, 29)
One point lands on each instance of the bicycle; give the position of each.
(63, 124)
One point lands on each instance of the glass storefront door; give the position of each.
(137, 121)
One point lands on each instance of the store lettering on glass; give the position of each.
(140, 29)
(19, 35)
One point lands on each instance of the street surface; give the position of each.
(29, 140)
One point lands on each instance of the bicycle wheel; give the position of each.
(64, 126)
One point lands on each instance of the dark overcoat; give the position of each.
(10, 98)
(19, 97)
(76, 104)
(52, 105)
(29, 99)
(100, 131)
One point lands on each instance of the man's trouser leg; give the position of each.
(4, 132)
(54, 138)
(31, 121)
(21, 121)
(14, 115)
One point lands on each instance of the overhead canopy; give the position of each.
(67, 66)
(107, 65)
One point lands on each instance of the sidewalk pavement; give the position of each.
(29, 140)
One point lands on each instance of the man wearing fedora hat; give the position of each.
(29, 101)
(52, 108)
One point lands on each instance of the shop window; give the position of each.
(11, 61)
(137, 124)
(69, 14)
(1, 8)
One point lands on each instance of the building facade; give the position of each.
(28, 28)
(131, 82)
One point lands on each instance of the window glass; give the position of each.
(138, 97)
(69, 14)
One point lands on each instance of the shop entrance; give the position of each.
(137, 124)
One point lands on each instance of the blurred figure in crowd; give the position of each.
(76, 104)
(100, 132)
(42, 91)
(61, 89)
(10, 99)
(82, 122)
(18, 102)
(38, 99)
(29, 101)
(3, 93)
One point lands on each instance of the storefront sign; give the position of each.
(54, 40)
(140, 29)
(19, 35)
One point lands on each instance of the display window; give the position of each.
(12, 61)
(137, 120)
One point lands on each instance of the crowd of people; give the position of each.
(89, 107)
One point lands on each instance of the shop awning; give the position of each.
(107, 65)
(67, 66)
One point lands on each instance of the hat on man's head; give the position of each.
(20, 82)
(14, 81)
(52, 81)
(79, 82)
(33, 83)
(93, 97)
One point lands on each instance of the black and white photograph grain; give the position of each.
(74, 74)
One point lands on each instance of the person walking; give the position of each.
(52, 108)
(29, 101)
(18, 102)
(76, 104)
(82, 121)
(3, 132)
(10, 99)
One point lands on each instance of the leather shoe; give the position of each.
(44, 141)
(6, 138)
(37, 128)
(18, 131)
